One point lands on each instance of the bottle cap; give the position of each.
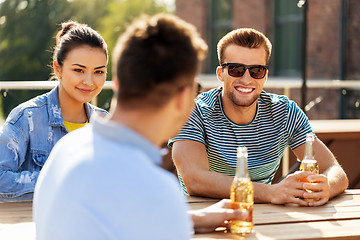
(242, 151)
(310, 137)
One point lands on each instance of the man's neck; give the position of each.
(149, 124)
(239, 114)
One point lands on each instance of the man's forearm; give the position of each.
(217, 185)
(337, 180)
(209, 184)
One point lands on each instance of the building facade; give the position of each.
(332, 43)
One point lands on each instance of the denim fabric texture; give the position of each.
(29, 133)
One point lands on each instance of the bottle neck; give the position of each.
(242, 167)
(309, 151)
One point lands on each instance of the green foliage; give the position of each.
(89, 12)
(122, 13)
(27, 29)
(27, 37)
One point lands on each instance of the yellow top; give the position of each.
(73, 126)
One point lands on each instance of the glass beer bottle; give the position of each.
(242, 194)
(309, 162)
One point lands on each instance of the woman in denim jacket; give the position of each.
(31, 130)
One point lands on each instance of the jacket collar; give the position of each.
(54, 111)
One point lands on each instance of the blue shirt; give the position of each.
(278, 123)
(26, 139)
(103, 182)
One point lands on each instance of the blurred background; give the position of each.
(318, 39)
(326, 42)
(315, 59)
(28, 29)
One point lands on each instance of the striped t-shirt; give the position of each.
(278, 123)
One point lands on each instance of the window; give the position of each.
(220, 23)
(288, 38)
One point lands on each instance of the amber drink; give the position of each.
(242, 195)
(309, 163)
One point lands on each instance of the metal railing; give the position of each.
(208, 81)
(40, 85)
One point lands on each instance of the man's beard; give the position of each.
(242, 102)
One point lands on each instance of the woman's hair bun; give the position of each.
(65, 28)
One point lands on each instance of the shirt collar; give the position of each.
(124, 135)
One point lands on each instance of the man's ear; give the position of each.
(115, 85)
(219, 72)
(184, 98)
(181, 98)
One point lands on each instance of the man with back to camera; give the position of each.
(103, 181)
(242, 113)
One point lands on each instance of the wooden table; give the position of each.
(16, 221)
(338, 219)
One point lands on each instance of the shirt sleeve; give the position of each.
(192, 130)
(298, 125)
(13, 147)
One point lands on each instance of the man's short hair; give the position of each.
(244, 37)
(155, 58)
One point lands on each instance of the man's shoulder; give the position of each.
(70, 144)
(208, 99)
(275, 101)
(80, 137)
(205, 104)
(272, 98)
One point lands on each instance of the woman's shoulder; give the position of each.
(32, 106)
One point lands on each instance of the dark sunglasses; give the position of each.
(238, 70)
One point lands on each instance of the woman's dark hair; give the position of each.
(72, 35)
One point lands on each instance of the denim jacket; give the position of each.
(26, 139)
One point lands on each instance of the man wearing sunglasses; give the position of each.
(242, 113)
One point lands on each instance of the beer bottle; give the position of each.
(309, 162)
(242, 194)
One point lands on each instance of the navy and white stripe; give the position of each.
(278, 123)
